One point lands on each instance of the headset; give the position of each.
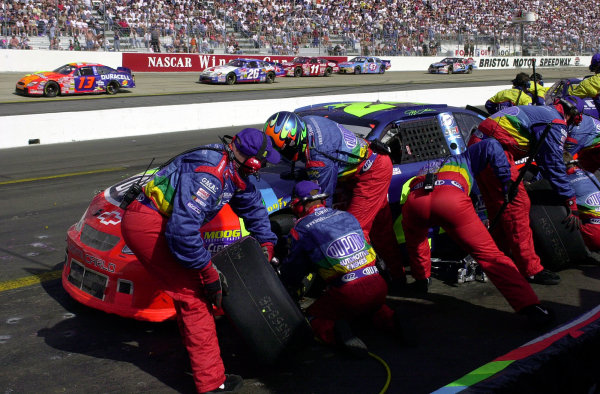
(252, 164)
(297, 203)
(570, 110)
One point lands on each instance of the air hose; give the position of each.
(387, 368)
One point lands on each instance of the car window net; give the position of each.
(416, 140)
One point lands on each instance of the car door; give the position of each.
(86, 80)
(371, 66)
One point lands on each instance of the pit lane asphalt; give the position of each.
(50, 343)
(153, 89)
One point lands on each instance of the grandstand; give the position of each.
(308, 27)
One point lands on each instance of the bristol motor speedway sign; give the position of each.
(527, 62)
(167, 62)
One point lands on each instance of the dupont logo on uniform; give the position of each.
(345, 246)
(593, 199)
(349, 138)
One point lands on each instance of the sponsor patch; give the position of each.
(208, 185)
(193, 207)
(112, 217)
(202, 193)
(349, 138)
(345, 246)
(593, 199)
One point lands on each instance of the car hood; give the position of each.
(438, 64)
(223, 69)
(39, 76)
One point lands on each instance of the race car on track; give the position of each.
(452, 65)
(364, 65)
(561, 89)
(76, 78)
(242, 70)
(100, 271)
(303, 66)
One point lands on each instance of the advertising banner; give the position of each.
(177, 62)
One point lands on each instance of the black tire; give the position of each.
(297, 72)
(230, 79)
(382, 70)
(357, 70)
(113, 88)
(258, 304)
(450, 70)
(557, 246)
(51, 89)
(328, 72)
(270, 77)
(469, 70)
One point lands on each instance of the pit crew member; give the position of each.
(439, 195)
(590, 87)
(584, 140)
(587, 190)
(331, 242)
(162, 230)
(330, 153)
(519, 94)
(517, 129)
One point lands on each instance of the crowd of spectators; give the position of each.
(392, 27)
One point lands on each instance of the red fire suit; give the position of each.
(515, 128)
(449, 206)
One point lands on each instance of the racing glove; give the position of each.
(572, 221)
(268, 249)
(510, 191)
(211, 280)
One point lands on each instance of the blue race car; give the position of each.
(452, 65)
(364, 65)
(561, 89)
(242, 70)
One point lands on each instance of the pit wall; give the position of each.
(41, 60)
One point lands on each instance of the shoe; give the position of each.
(538, 315)
(232, 384)
(545, 277)
(345, 338)
(420, 286)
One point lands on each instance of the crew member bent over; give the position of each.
(163, 231)
(440, 196)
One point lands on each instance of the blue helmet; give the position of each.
(595, 63)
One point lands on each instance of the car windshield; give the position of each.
(236, 63)
(358, 59)
(300, 59)
(65, 70)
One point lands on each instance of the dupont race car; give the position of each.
(303, 66)
(242, 70)
(76, 78)
(100, 271)
(452, 65)
(364, 65)
(561, 89)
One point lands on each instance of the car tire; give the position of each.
(328, 72)
(450, 70)
(557, 246)
(230, 79)
(469, 70)
(382, 69)
(270, 78)
(51, 89)
(357, 70)
(113, 88)
(281, 224)
(258, 304)
(297, 72)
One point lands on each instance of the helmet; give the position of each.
(537, 77)
(595, 63)
(573, 107)
(288, 132)
(521, 81)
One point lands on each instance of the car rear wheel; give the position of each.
(328, 72)
(297, 72)
(270, 78)
(382, 70)
(450, 70)
(51, 89)
(469, 70)
(231, 78)
(113, 88)
(357, 70)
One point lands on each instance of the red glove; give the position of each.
(269, 250)
(212, 284)
(572, 221)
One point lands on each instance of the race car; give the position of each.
(242, 70)
(303, 66)
(76, 78)
(561, 89)
(452, 65)
(100, 271)
(364, 65)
